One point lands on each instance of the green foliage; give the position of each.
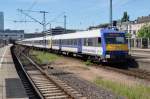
(88, 63)
(131, 92)
(44, 57)
(144, 32)
(125, 17)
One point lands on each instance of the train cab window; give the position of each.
(120, 39)
(115, 40)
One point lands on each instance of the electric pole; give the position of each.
(65, 23)
(111, 24)
(44, 26)
(43, 23)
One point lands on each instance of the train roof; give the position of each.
(81, 34)
(86, 34)
(36, 38)
(106, 30)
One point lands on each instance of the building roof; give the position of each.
(11, 31)
(33, 35)
(143, 19)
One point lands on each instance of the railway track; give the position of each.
(30, 91)
(47, 86)
(76, 87)
(81, 86)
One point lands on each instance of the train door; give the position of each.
(60, 44)
(79, 45)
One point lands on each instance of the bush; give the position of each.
(144, 32)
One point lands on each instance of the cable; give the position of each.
(33, 4)
(53, 20)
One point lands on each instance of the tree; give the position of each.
(125, 17)
(144, 32)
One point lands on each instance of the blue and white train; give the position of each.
(102, 44)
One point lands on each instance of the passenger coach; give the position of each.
(101, 44)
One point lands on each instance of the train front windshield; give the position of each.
(115, 38)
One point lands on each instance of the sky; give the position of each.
(80, 13)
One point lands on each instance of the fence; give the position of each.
(139, 42)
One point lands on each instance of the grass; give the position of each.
(88, 63)
(131, 92)
(44, 57)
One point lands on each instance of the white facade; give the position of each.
(1, 21)
(131, 27)
(137, 26)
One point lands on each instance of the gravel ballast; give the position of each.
(85, 87)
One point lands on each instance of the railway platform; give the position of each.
(11, 86)
(142, 57)
(141, 54)
(141, 49)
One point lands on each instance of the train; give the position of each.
(99, 44)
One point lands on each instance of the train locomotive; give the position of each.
(100, 44)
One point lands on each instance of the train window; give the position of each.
(90, 42)
(75, 42)
(99, 41)
(65, 42)
(55, 42)
(95, 42)
(68, 42)
(86, 41)
(62, 42)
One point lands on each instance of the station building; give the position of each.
(131, 27)
(134, 26)
(32, 35)
(60, 30)
(11, 35)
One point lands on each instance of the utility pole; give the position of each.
(44, 26)
(111, 24)
(65, 23)
(43, 23)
